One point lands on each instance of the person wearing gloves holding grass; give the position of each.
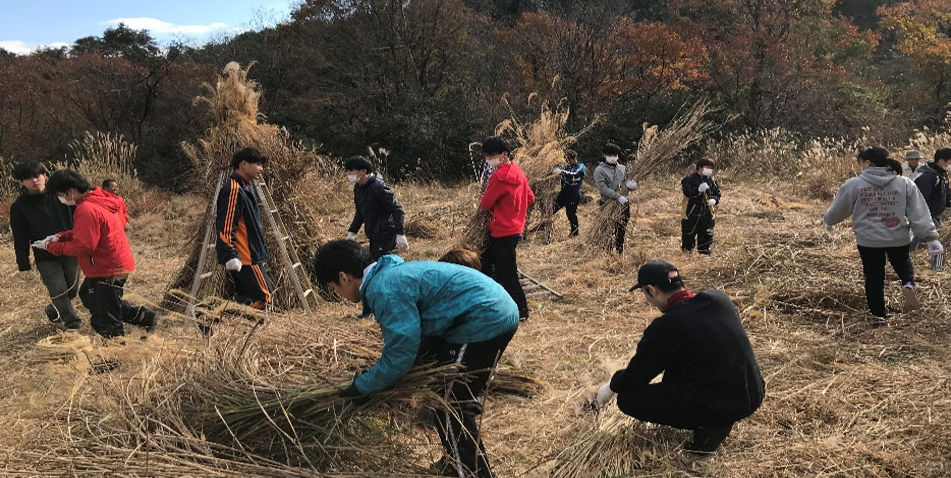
(701, 194)
(241, 245)
(886, 209)
(376, 209)
(609, 176)
(711, 378)
(572, 177)
(428, 311)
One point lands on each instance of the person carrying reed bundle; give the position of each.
(885, 209)
(701, 194)
(609, 176)
(507, 197)
(711, 378)
(428, 311)
(375, 208)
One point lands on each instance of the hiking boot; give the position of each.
(707, 440)
(146, 318)
(910, 293)
(52, 314)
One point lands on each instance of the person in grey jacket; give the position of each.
(885, 210)
(609, 176)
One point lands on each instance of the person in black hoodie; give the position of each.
(37, 215)
(376, 209)
(711, 378)
(932, 181)
(701, 194)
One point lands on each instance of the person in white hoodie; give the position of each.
(885, 208)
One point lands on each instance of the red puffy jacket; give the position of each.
(508, 197)
(98, 237)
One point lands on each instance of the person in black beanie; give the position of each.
(711, 378)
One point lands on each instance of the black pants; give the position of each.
(499, 263)
(459, 429)
(697, 229)
(103, 297)
(873, 265)
(570, 203)
(620, 227)
(252, 286)
(381, 246)
(61, 278)
(658, 403)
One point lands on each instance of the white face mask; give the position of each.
(610, 159)
(68, 202)
(707, 172)
(353, 178)
(493, 163)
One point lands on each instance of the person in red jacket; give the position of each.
(98, 241)
(508, 197)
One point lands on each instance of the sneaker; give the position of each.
(146, 318)
(52, 314)
(707, 440)
(539, 228)
(879, 322)
(910, 294)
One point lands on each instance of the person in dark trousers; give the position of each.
(701, 195)
(609, 176)
(711, 378)
(98, 240)
(932, 181)
(508, 197)
(241, 245)
(428, 311)
(38, 215)
(376, 209)
(572, 176)
(885, 209)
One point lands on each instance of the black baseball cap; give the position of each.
(656, 273)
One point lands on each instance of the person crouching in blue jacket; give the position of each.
(428, 310)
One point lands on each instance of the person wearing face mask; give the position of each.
(701, 194)
(932, 181)
(99, 242)
(507, 197)
(885, 209)
(608, 177)
(37, 215)
(376, 209)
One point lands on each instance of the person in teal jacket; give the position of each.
(428, 311)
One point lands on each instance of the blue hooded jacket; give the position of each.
(421, 299)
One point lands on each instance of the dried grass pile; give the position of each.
(655, 151)
(301, 181)
(422, 226)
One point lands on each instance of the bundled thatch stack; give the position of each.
(656, 149)
(299, 179)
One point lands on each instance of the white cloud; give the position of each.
(158, 27)
(23, 48)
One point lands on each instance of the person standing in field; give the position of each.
(98, 241)
(241, 245)
(932, 181)
(885, 210)
(37, 215)
(507, 197)
(572, 177)
(608, 177)
(701, 195)
(912, 163)
(375, 209)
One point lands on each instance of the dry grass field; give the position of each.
(843, 399)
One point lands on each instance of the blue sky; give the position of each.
(28, 24)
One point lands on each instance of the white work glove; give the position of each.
(632, 185)
(233, 265)
(52, 238)
(41, 244)
(827, 226)
(351, 235)
(556, 170)
(401, 242)
(622, 200)
(605, 394)
(712, 202)
(703, 187)
(935, 247)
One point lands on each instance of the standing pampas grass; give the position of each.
(656, 149)
(99, 156)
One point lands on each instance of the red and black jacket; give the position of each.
(97, 238)
(240, 233)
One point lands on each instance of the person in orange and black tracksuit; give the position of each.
(241, 245)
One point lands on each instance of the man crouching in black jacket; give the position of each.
(711, 379)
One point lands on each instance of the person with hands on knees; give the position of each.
(428, 311)
(711, 378)
(241, 245)
(885, 209)
(701, 194)
(609, 176)
(99, 242)
(37, 215)
(932, 181)
(376, 209)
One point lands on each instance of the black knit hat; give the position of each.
(656, 273)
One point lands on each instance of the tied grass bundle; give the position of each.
(476, 234)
